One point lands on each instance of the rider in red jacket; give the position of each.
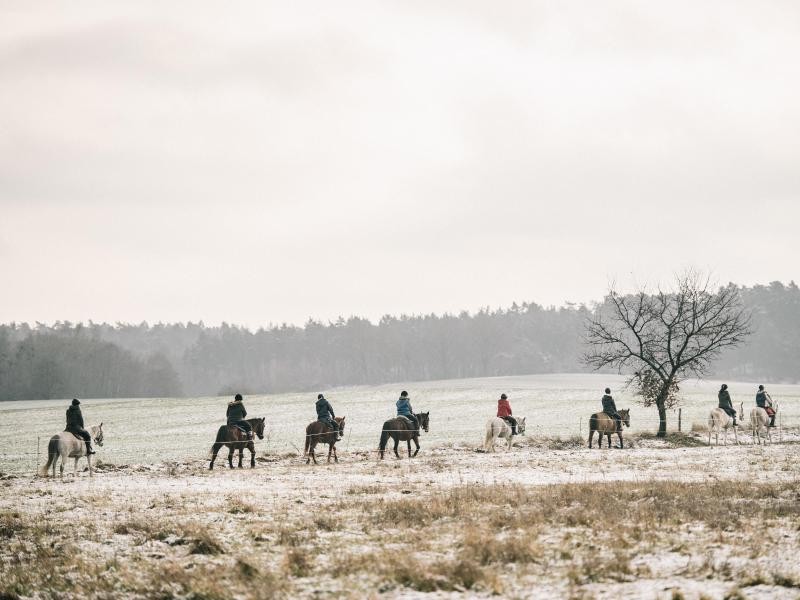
(504, 412)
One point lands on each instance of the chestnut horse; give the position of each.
(321, 433)
(400, 430)
(605, 425)
(236, 439)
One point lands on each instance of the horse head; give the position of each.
(424, 420)
(340, 422)
(625, 413)
(521, 426)
(97, 434)
(258, 427)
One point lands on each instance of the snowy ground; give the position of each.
(549, 519)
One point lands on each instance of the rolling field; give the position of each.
(146, 431)
(551, 519)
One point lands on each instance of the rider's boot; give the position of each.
(772, 421)
(89, 448)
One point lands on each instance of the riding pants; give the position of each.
(616, 418)
(244, 425)
(731, 412)
(81, 433)
(513, 422)
(330, 423)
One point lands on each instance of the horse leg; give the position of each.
(416, 443)
(252, 447)
(230, 456)
(89, 462)
(591, 435)
(619, 433)
(241, 455)
(75, 467)
(330, 451)
(396, 444)
(335, 456)
(408, 442)
(214, 451)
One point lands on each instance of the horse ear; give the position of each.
(101, 424)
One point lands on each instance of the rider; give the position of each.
(325, 415)
(404, 409)
(763, 400)
(725, 402)
(75, 425)
(236, 414)
(610, 408)
(504, 412)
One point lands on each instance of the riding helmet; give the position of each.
(503, 397)
(320, 396)
(761, 388)
(724, 386)
(403, 394)
(238, 397)
(75, 402)
(608, 390)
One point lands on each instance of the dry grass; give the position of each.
(470, 538)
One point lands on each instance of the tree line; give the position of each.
(162, 360)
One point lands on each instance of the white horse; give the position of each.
(66, 445)
(718, 420)
(499, 428)
(759, 423)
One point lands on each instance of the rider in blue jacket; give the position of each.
(404, 409)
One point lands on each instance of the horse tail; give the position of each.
(593, 422)
(307, 444)
(384, 438)
(52, 455)
(489, 435)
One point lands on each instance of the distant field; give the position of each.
(143, 431)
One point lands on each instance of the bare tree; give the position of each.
(666, 336)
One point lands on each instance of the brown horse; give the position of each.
(605, 425)
(321, 433)
(236, 439)
(400, 430)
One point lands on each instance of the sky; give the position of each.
(266, 162)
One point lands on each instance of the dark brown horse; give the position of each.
(605, 425)
(320, 433)
(400, 430)
(236, 439)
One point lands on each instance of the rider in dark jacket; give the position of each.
(764, 401)
(610, 408)
(75, 425)
(326, 415)
(725, 403)
(236, 413)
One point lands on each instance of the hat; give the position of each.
(403, 394)
(503, 397)
(238, 397)
(320, 396)
(724, 386)
(75, 402)
(761, 388)
(608, 390)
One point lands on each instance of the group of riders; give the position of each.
(236, 413)
(763, 400)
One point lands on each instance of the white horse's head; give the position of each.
(97, 434)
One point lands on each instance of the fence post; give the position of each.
(679, 419)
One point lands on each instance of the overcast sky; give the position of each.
(259, 162)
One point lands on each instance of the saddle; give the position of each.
(409, 421)
(240, 428)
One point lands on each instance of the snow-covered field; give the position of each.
(178, 429)
(550, 519)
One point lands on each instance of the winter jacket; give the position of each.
(503, 408)
(725, 400)
(236, 412)
(74, 418)
(404, 407)
(763, 400)
(609, 406)
(324, 410)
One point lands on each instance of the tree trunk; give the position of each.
(662, 420)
